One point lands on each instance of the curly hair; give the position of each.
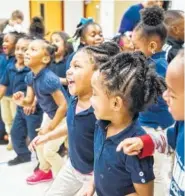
(129, 76)
(152, 23)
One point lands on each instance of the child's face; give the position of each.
(179, 30)
(59, 42)
(8, 44)
(101, 102)
(174, 95)
(20, 49)
(155, 3)
(93, 36)
(79, 74)
(148, 47)
(127, 44)
(36, 54)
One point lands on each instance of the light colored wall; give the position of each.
(73, 11)
(8, 6)
(120, 7)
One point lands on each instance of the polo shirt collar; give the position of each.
(40, 73)
(126, 133)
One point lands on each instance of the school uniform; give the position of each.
(44, 84)
(59, 68)
(23, 125)
(156, 118)
(167, 142)
(77, 172)
(172, 47)
(8, 107)
(115, 172)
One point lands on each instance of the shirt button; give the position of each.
(143, 180)
(141, 174)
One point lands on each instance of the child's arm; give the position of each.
(2, 91)
(60, 113)
(145, 145)
(23, 101)
(41, 139)
(144, 189)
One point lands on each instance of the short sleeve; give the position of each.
(5, 80)
(51, 84)
(141, 170)
(29, 79)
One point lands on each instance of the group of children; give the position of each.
(101, 98)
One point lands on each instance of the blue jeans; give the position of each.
(24, 126)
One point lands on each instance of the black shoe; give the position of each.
(3, 142)
(18, 160)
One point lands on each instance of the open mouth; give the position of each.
(70, 81)
(5, 49)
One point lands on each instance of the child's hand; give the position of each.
(18, 98)
(29, 110)
(43, 130)
(131, 146)
(40, 139)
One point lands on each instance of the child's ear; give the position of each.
(46, 59)
(117, 103)
(152, 47)
(175, 30)
(82, 40)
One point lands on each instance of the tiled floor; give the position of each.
(12, 179)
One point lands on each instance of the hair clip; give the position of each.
(84, 21)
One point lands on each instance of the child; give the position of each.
(58, 66)
(124, 41)
(8, 107)
(24, 124)
(37, 28)
(49, 93)
(122, 88)
(173, 138)
(149, 37)
(74, 176)
(15, 23)
(174, 20)
(89, 33)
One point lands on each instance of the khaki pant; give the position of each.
(162, 167)
(47, 153)
(8, 111)
(69, 182)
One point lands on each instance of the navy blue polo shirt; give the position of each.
(157, 115)
(3, 63)
(8, 62)
(81, 128)
(115, 172)
(45, 83)
(15, 78)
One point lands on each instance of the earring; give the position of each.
(153, 51)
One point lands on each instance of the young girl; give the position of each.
(26, 119)
(74, 176)
(89, 33)
(149, 37)
(173, 139)
(124, 41)
(58, 66)
(8, 107)
(122, 88)
(51, 97)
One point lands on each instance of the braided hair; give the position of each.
(128, 75)
(102, 53)
(152, 23)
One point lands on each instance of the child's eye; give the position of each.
(76, 66)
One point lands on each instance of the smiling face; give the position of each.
(9, 44)
(57, 40)
(79, 74)
(20, 49)
(174, 95)
(36, 54)
(92, 35)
